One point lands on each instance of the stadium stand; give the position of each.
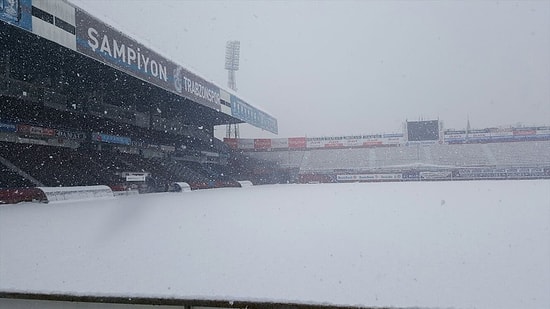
(57, 166)
(521, 153)
(388, 156)
(320, 159)
(60, 166)
(290, 159)
(11, 179)
(72, 114)
(459, 155)
(499, 160)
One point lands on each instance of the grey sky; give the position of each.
(349, 67)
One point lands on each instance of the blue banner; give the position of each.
(111, 139)
(17, 12)
(245, 112)
(7, 127)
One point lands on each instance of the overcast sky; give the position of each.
(350, 67)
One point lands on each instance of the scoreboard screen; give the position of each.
(423, 130)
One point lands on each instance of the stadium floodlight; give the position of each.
(232, 52)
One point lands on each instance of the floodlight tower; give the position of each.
(232, 52)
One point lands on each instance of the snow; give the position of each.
(483, 244)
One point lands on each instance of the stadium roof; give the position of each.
(71, 27)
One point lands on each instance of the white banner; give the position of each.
(368, 177)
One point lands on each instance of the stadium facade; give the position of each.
(77, 93)
(423, 151)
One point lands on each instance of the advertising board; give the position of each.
(314, 143)
(332, 144)
(393, 140)
(245, 143)
(479, 136)
(372, 142)
(245, 112)
(368, 177)
(352, 143)
(262, 143)
(502, 135)
(279, 143)
(435, 175)
(35, 130)
(454, 136)
(132, 178)
(6, 126)
(17, 13)
(102, 42)
(391, 135)
(297, 142)
(105, 44)
(167, 148)
(231, 142)
(111, 139)
(70, 134)
(525, 132)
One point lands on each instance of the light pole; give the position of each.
(232, 54)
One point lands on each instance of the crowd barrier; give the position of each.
(182, 187)
(245, 183)
(53, 194)
(56, 194)
(14, 196)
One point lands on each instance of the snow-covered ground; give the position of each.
(483, 244)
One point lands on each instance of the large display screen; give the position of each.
(423, 130)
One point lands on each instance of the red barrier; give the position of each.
(231, 142)
(198, 185)
(297, 142)
(262, 143)
(14, 196)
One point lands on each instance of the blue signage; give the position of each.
(7, 127)
(16, 12)
(111, 139)
(245, 112)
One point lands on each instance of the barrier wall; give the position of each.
(56, 194)
(487, 173)
(182, 187)
(369, 177)
(14, 196)
(245, 183)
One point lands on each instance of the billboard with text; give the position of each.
(108, 45)
(16, 12)
(246, 112)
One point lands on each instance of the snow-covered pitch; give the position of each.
(482, 244)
